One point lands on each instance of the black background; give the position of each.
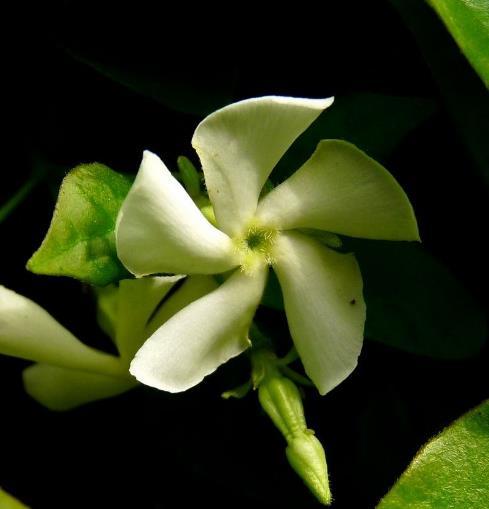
(150, 449)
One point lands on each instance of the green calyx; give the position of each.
(282, 401)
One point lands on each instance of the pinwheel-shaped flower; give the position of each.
(69, 373)
(339, 190)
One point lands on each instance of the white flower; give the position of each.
(339, 189)
(69, 373)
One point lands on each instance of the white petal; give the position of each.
(202, 336)
(64, 389)
(239, 145)
(138, 300)
(324, 306)
(29, 332)
(342, 190)
(193, 288)
(160, 229)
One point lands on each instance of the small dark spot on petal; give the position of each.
(353, 301)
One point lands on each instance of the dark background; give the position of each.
(149, 449)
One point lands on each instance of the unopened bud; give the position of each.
(306, 456)
(189, 175)
(281, 400)
(206, 208)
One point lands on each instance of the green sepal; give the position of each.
(238, 392)
(452, 470)
(80, 242)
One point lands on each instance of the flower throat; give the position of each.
(256, 246)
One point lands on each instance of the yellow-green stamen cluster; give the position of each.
(255, 246)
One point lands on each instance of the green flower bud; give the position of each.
(190, 176)
(306, 456)
(282, 401)
(205, 207)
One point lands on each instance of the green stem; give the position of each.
(23, 192)
(296, 377)
(258, 339)
(290, 357)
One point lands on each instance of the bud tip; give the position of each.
(306, 456)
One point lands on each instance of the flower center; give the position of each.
(256, 246)
(258, 240)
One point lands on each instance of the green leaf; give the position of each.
(9, 502)
(80, 242)
(450, 471)
(468, 22)
(463, 93)
(374, 123)
(415, 304)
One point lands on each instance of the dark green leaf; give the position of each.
(80, 242)
(375, 123)
(184, 90)
(38, 173)
(468, 22)
(415, 304)
(465, 96)
(272, 296)
(19, 196)
(450, 471)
